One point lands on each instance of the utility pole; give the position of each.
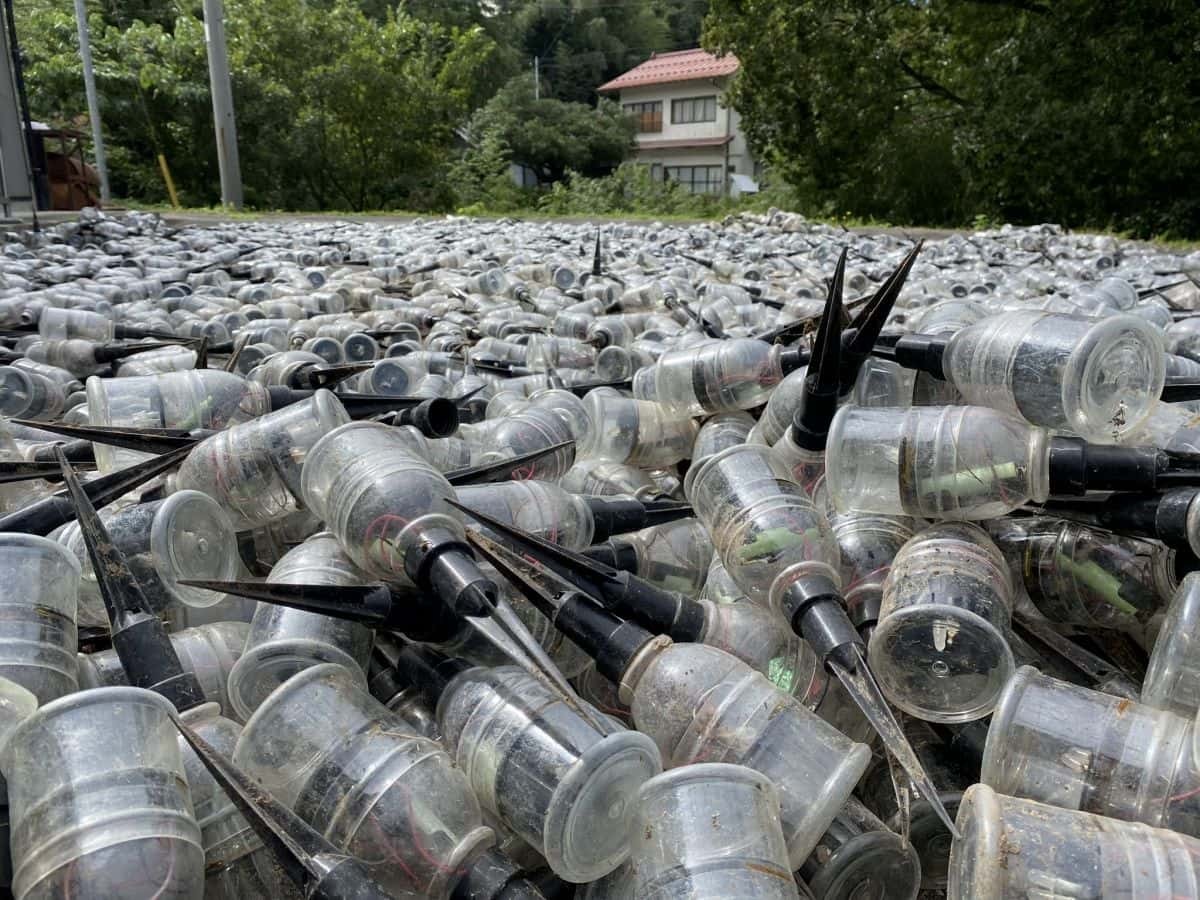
(19, 173)
(93, 101)
(222, 100)
(537, 78)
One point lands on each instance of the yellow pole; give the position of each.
(166, 174)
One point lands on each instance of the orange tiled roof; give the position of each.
(682, 65)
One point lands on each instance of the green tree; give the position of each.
(482, 180)
(552, 136)
(1077, 110)
(583, 43)
(336, 108)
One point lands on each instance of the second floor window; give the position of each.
(648, 115)
(693, 109)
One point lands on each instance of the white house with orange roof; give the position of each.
(684, 133)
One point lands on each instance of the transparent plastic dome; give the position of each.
(1013, 849)
(1172, 679)
(91, 817)
(364, 481)
(765, 528)
(709, 830)
(283, 641)
(207, 651)
(39, 582)
(549, 773)
(253, 469)
(1059, 743)
(1099, 379)
(940, 651)
(699, 703)
(353, 769)
(937, 462)
(186, 536)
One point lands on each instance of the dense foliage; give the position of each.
(347, 104)
(930, 111)
(551, 136)
(936, 111)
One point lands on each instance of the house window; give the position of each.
(693, 109)
(648, 115)
(697, 179)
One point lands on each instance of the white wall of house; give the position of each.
(734, 156)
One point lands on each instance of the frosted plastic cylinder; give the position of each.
(614, 364)
(329, 349)
(535, 429)
(1062, 744)
(806, 467)
(351, 768)
(937, 462)
(546, 771)
(882, 383)
(99, 802)
(709, 831)
(539, 507)
(410, 705)
(713, 377)
(940, 651)
(282, 367)
(272, 541)
(601, 693)
(376, 496)
(950, 316)
(1014, 849)
(546, 351)
(1173, 676)
(359, 347)
(606, 479)
(1080, 575)
(753, 634)
(56, 324)
(749, 632)
(176, 358)
(50, 373)
(640, 433)
(207, 651)
(718, 586)
(253, 354)
(699, 703)
(186, 536)
(782, 406)
(718, 433)
(674, 556)
(859, 858)
(946, 317)
(204, 398)
(868, 544)
(253, 469)
(1097, 378)
(569, 408)
(444, 454)
(39, 582)
(767, 531)
(29, 395)
(283, 641)
(389, 376)
(796, 670)
(236, 864)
